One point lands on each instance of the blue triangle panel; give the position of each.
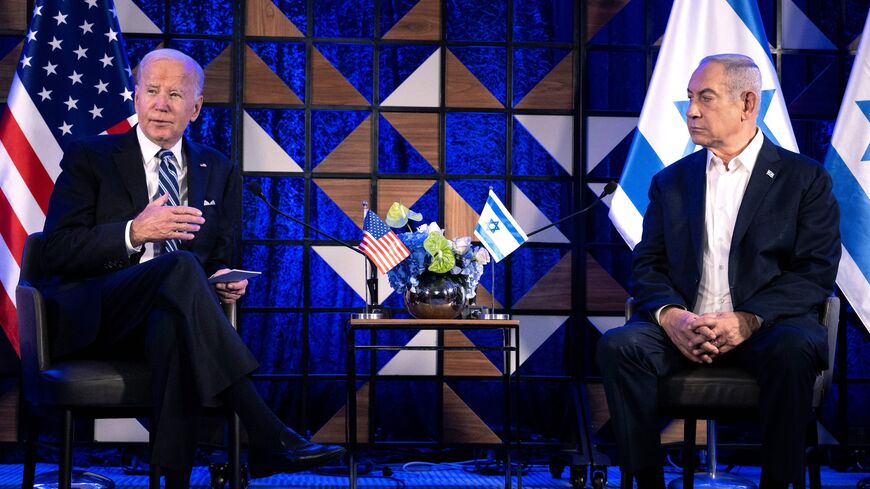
(210, 17)
(397, 63)
(488, 338)
(327, 287)
(626, 27)
(354, 61)
(548, 359)
(286, 127)
(8, 43)
(610, 168)
(487, 64)
(329, 128)
(544, 21)
(392, 11)
(155, 10)
(344, 18)
(553, 199)
(328, 343)
(396, 154)
(138, 48)
(615, 258)
(295, 11)
(203, 51)
(260, 222)
(475, 143)
(282, 273)
(530, 158)
(275, 339)
(477, 20)
(287, 60)
(528, 266)
(329, 218)
(213, 127)
(531, 65)
(406, 410)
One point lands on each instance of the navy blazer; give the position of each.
(784, 251)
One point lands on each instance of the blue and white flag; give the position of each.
(497, 230)
(696, 29)
(848, 162)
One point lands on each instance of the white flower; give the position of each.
(429, 228)
(460, 245)
(481, 255)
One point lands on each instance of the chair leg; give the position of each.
(814, 463)
(689, 430)
(30, 435)
(626, 481)
(234, 452)
(64, 470)
(153, 469)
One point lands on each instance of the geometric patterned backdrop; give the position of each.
(327, 103)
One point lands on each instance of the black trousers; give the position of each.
(166, 312)
(784, 357)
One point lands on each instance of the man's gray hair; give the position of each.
(742, 72)
(167, 53)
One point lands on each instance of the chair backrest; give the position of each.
(32, 330)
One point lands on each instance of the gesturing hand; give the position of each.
(679, 325)
(158, 222)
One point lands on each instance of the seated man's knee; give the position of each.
(613, 346)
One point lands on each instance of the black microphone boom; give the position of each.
(608, 189)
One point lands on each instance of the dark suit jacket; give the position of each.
(785, 248)
(102, 186)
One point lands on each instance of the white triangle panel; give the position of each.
(555, 133)
(597, 188)
(531, 218)
(261, 153)
(414, 362)
(603, 134)
(133, 20)
(605, 323)
(127, 430)
(799, 32)
(422, 88)
(351, 267)
(534, 331)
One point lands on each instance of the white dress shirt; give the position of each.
(152, 180)
(724, 192)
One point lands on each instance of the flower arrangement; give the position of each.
(431, 251)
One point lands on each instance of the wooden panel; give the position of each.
(14, 15)
(599, 414)
(218, 77)
(329, 86)
(459, 217)
(603, 292)
(461, 424)
(9, 414)
(353, 155)
(406, 192)
(464, 89)
(8, 65)
(262, 85)
(421, 130)
(347, 194)
(673, 432)
(484, 298)
(553, 291)
(263, 18)
(599, 13)
(421, 23)
(465, 362)
(554, 91)
(334, 429)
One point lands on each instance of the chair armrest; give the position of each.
(831, 321)
(32, 332)
(230, 311)
(630, 306)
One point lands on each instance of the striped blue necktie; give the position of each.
(168, 185)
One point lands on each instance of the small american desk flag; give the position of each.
(381, 244)
(73, 80)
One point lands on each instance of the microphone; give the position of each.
(608, 189)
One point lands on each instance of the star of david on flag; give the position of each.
(696, 29)
(72, 80)
(847, 162)
(497, 230)
(381, 244)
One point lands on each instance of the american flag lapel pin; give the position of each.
(203, 165)
(770, 174)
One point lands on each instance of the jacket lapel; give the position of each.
(697, 187)
(128, 160)
(766, 168)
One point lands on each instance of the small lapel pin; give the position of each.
(770, 173)
(202, 165)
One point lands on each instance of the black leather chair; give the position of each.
(712, 392)
(88, 388)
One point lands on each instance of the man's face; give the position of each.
(713, 116)
(166, 101)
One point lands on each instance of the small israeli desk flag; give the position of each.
(497, 230)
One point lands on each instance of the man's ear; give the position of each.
(750, 104)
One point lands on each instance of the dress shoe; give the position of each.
(176, 478)
(295, 454)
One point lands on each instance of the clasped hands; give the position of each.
(159, 222)
(704, 338)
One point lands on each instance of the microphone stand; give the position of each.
(608, 189)
(372, 310)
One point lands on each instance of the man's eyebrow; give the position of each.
(704, 91)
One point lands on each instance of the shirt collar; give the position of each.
(747, 157)
(150, 149)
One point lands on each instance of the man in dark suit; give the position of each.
(136, 224)
(740, 248)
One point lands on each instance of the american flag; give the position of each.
(381, 244)
(72, 80)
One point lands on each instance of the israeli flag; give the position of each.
(497, 230)
(696, 29)
(848, 162)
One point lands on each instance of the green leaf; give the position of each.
(443, 259)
